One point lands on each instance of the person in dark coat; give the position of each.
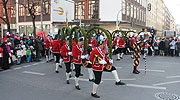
(162, 47)
(166, 47)
(38, 47)
(178, 47)
(5, 64)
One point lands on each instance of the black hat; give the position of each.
(81, 39)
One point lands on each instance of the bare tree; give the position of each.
(31, 6)
(6, 19)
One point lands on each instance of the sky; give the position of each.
(174, 8)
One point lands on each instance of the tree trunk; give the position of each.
(34, 27)
(7, 16)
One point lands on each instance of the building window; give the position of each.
(132, 11)
(27, 12)
(144, 17)
(124, 6)
(135, 12)
(128, 9)
(46, 7)
(93, 10)
(13, 11)
(80, 8)
(21, 10)
(140, 14)
(37, 10)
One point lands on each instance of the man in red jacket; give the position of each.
(77, 53)
(66, 54)
(120, 44)
(101, 63)
(93, 42)
(48, 44)
(56, 48)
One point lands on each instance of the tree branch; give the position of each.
(3, 19)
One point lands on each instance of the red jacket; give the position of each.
(120, 44)
(76, 52)
(56, 46)
(95, 65)
(74, 43)
(1, 52)
(64, 53)
(48, 43)
(132, 42)
(94, 43)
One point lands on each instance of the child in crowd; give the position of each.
(28, 53)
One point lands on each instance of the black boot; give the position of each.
(138, 71)
(57, 71)
(118, 59)
(81, 74)
(77, 87)
(120, 83)
(95, 95)
(60, 66)
(135, 72)
(91, 80)
(67, 82)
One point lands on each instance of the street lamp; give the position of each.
(80, 11)
(117, 20)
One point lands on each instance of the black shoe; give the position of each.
(74, 70)
(118, 59)
(60, 66)
(70, 76)
(120, 83)
(136, 72)
(77, 87)
(81, 74)
(121, 57)
(95, 95)
(67, 82)
(47, 61)
(91, 80)
(57, 71)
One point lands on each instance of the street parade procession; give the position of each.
(77, 48)
(89, 50)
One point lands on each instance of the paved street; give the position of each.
(38, 81)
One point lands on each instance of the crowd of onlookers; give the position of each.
(159, 46)
(167, 46)
(17, 49)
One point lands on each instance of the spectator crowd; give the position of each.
(17, 49)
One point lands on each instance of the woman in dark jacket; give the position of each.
(38, 47)
(162, 47)
(5, 64)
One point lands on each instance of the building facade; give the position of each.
(172, 23)
(166, 18)
(11, 9)
(53, 15)
(178, 30)
(119, 14)
(159, 16)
